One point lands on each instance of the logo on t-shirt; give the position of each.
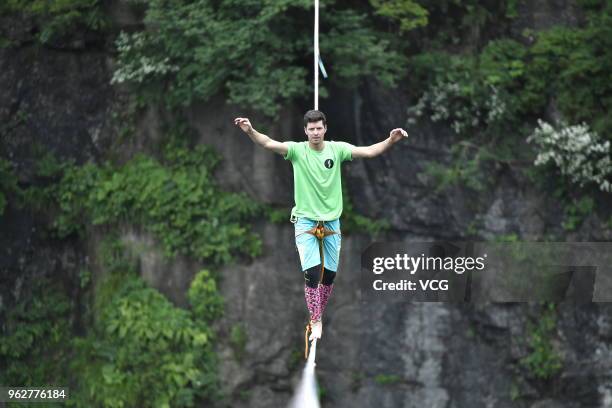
(329, 163)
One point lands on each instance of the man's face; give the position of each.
(315, 132)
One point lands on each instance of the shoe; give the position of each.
(316, 329)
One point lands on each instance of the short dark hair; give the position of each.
(314, 116)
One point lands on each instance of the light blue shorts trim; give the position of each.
(308, 246)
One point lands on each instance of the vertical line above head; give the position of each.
(316, 56)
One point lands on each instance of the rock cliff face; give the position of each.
(53, 99)
(404, 354)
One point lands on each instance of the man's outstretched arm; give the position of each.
(259, 138)
(379, 148)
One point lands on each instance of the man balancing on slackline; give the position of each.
(318, 202)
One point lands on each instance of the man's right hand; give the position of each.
(261, 139)
(244, 123)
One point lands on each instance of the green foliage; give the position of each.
(238, 340)
(59, 18)
(512, 8)
(387, 379)
(544, 361)
(356, 380)
(354, 222)
(84, 278)
(144, 352)
(571, 66)
(252, 52)
(116, 263)
(512, 237)
(206, 303)
(353, 51)
(321, 392)
(546, 60)
(428, 68)
(277, 215)
(73, 194)
(47, 165)
(177, 200)
(48, 170)
(568, 65)
(584, 88)
(139, 350)
(575, 211)
(34, 334)
(461, 97)
(244, 395)
(502, 64)
(515, 392)
(408, 13)
(465, 168)
(498, 90)
(461, 22)
(296, 359)
(444, 177)
(113, 255)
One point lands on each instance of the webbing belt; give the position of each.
(321, 232)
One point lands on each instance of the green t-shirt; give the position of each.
(316, 179)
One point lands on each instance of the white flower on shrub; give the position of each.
(133, 66)
(579, 153)
(449, 101)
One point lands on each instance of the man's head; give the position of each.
(315, 126)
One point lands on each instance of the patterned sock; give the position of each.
(325, 292)
(313, 302)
